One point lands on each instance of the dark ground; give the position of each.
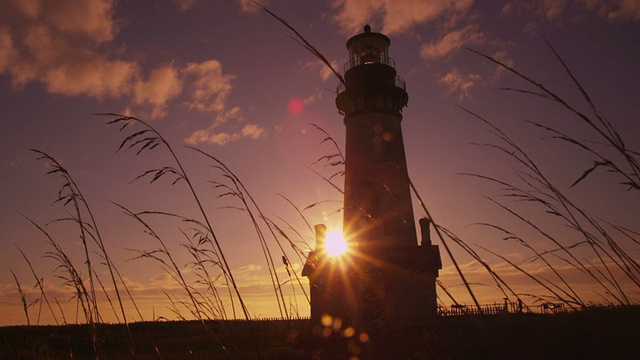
(595, 333)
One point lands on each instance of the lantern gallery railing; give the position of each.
(399, 82)
(369, 58)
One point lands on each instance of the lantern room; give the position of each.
(371, 82)
(368, 48)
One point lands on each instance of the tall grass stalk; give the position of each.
(39, 284)
(72, 278)
(23, 298)
(239, 190)
(539, 190)
(234, 190)
(446, 246)
(148, 139)
(70, 193)
(499, 281)
(64, 319)
(575, 298)
(202, 258)
(628, 168)
(544, 193)
(164, 257)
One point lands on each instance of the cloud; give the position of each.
(550, 9)
(319, 67)
(82, 19)
(16, 162)
(96, 78)
(253, 131)
(184, 5)
(625, 10)
(210, 90)
(8, 53)
(210, 136)
(66, 46)
(91, 19)
(452, 42)
(164, 84)
(555, 11)
(210, 87)
(317, 95)
(460, 83)
(247, 6)
(214, 136)
(57, 44)
(503, 57)
(395, 16)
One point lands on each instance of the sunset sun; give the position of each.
(335, 243)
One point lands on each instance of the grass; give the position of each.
(592, 333)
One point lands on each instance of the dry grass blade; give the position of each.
(330, 139)
(446, 245)
(304, 41)
(606, 130)
(181, 174)
(39, 284)
(299, 213)
(70, 193)
(23, 298)
(249, 203)
(511, 236)
(541, 191)
(555, 294)
(500, 283)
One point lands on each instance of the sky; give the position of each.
(227, 78)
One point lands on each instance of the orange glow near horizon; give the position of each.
(335, 244)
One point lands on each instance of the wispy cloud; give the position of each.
(209, 136)
(164, 84)
(320, 68)
(247, 6)
(561, 11)
(57, 44)
(210, 86)
(317, 95)
(15, 162)
(395, 16)
(452, 42)
(460, 83)
(68, 46)
(184, 5)
(625, 10)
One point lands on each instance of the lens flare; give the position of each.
(295, 106)
(335, 244)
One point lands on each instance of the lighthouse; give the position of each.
(386, 278)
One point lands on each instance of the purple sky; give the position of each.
(227, 78)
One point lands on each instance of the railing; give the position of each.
(369, 59)
(460, 310)
(399, 82)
